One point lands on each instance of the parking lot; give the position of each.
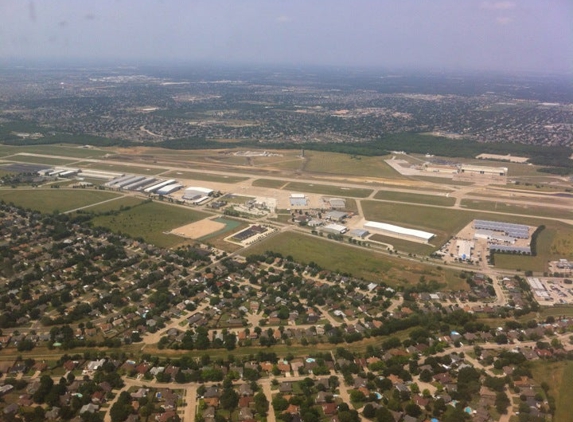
(550, 291)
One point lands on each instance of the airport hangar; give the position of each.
(397, 231)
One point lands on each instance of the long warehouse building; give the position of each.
(140, 183)
(397, 230)
(128, 181)
(166, 190)
(158, 186)
(116, 180)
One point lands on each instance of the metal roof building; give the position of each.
(397, 230)
(361, 233)
(335, 215)
(518, 231)
(297, 200)
(337, 203)
(158, 186)
(166, 190)
(335, 229)
(192, 193)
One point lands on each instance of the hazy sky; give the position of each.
(443, 34)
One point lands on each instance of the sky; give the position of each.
(518, 35)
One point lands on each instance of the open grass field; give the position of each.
(204, 177)
(443, 222)
(269, 183)
(4, 172)
(559, 377)
(56, 149)
(415, 198)
(230, 225)
(404, 245)
(149, 221)
(345, 164)
(49, 161)
(292, 163)
(441, 180)
(328, 190)
(555, 242)
(556, 239)
(356, 261)
(499, 206)
(126, 201)
(50, 200)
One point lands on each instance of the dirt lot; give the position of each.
(198, 229)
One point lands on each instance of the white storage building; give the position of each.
(166, 190)
(393, 230)
(159, 185)
(193, 193)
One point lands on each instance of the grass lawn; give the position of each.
(555, 242)
(126, 201)
(50, 200)
(404, 245)
(230, 225)
(342, 258)
(556, 239)
(269, 183)
(499, 206)
(559, 377)
(236, 199)
(204, 177)
(49, 161)
(441, 180)
(150, 221)
(66, 150)
(415, 198)
(327, 190)
(345, 164)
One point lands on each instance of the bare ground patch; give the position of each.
(198, 229)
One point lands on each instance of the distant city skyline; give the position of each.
(519, 35)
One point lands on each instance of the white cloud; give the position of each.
(498, 5)
(283, 19)
(503, 20)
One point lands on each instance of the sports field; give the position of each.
(50, 200)
(150, 222)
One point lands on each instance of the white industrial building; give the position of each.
(122, 178)
(159, 185)
(128, 182)
(194, 193)
(166, 190)
(464, 248)
(140, 183)
(335, 229)
(297, 200)
(538, 288)
(392, 230)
